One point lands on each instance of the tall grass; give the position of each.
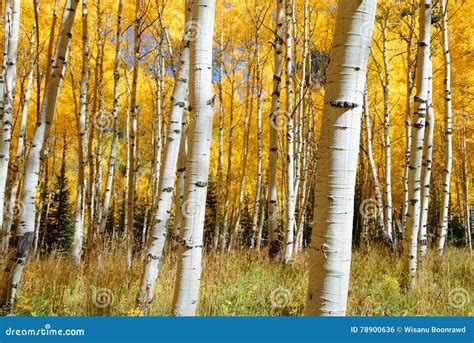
(245, 283)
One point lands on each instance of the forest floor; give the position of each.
(247, 283)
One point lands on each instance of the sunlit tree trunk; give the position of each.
(17, 165)
(418, 131)
(330, 254)
(115, 110)
(427, 165)
(186, 293)
(275, 125)
(7, 87)
(159, 231)
(25, 232)
(465, 182)
(448, 162)
(81, 146)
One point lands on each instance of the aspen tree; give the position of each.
(7, 92)
(418, 125)
(201, 101)
(159, 231)
(448, 162)
(25, 232)
(330, 254)
(274, 133)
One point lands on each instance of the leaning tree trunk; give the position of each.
(448, 162)
(201, 102)
(427, 165)
(12, 21)
(418, 125)
(159, 231)
(335, 177)
(81, 146)
(25, 231)
(275, 126)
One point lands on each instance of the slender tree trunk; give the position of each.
(275, 118)
(8, 85)
(337, 152)
(427, 165)
(25, 232)
(201, 101)
(418, 126)
(448, 162)
(159, 231)
(465, 182)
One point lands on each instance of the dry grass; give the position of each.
(246, 283)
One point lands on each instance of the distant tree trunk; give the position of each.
(373, 168)
(427, 165)
(81, 146)
(113, 151)
(330, 255)
(159, 231)
(25, 232)
(201, 102)
(448, 162)
(465, 182)
(418, 125)
(275, 124)
(7, 87)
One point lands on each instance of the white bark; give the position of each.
(201, 102)
(12, 21)
(275, 117)
(25, 231)
(159, 231)
(418, 125)
(330, 254)
(290, 181)
(448, 162)
(427, 165)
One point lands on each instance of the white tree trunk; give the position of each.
(337, 154)
(290, 181)
(12, 21)
(113, 151)
(275, 125)
(159, 231)
(448, 162)
(418, 126)
(186, 293)
(427, 165)
(81, 146)
(25, 232)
